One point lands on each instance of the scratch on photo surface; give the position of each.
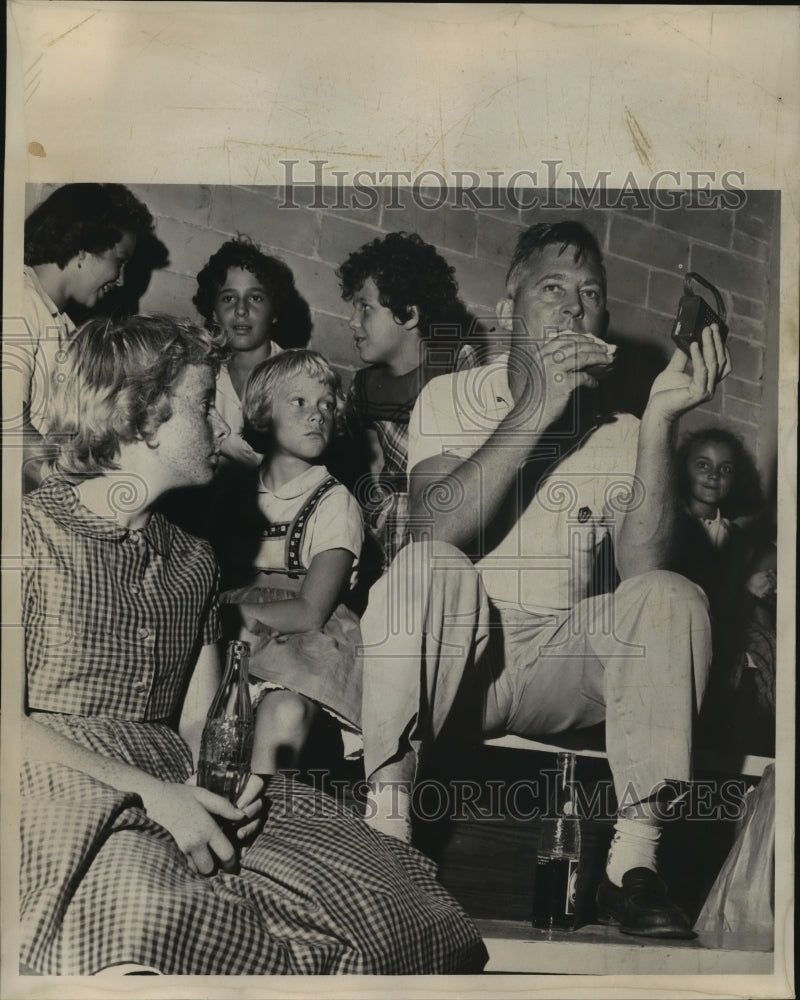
(32, 81)
(30, 95)
(228, 144)
(667, 23)
(640, 140)
(152, 36)
(421, 160)
(73, 28)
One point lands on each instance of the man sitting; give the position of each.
(510, 464)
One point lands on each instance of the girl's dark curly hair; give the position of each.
(273, 275)
(746, 496)
(407, 272)
(89, 217)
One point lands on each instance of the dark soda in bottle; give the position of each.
(557, 857)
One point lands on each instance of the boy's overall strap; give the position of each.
(294, 538)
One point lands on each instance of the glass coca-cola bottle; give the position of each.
(558, 854)
(226, 747)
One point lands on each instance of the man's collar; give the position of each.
(59, 498)
(499, 381)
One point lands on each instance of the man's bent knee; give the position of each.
(441, 555)
(664, 586)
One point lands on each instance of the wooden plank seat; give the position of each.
(716, 761)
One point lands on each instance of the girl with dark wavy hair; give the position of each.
(251, 298)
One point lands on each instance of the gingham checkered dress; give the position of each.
(111, 620)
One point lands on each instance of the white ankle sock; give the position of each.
(388, 809)
(634, 846)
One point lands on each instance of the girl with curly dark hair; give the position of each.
(251, 298)
(718, 475)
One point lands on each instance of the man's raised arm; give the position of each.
(647, 536)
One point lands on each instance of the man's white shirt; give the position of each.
(544, 562)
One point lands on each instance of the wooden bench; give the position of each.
(721, 762)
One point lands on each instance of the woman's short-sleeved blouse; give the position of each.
(113, 618)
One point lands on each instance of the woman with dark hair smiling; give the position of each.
(77, 242)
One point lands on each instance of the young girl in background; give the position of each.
(252, 299)
(299, 546)
(722, 553)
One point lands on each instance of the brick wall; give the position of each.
(648, 250)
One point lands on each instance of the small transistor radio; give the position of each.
(694, 314)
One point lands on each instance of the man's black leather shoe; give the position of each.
(642, 906)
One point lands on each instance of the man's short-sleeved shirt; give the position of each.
(113, 618)
(545, 561)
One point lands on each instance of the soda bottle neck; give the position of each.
(238, 660)
(563, 799)
(233, 695)
(560, 830)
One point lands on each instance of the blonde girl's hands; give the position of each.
(251, 803)
(187, 812)
(676, 391)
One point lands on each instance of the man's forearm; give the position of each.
(464, 500)
(647, 534)
(458, 505)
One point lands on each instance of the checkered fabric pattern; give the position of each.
(101, 884)
(319, 892)
(113, 618)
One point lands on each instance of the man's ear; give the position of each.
(504, 311)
